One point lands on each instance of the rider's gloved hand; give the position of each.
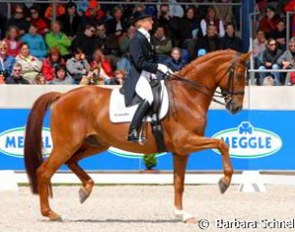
(164, 69)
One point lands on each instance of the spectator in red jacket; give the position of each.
(269, 22)
(13, 41)
(49, 64)
(38, 21)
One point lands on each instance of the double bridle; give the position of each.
(227, 94)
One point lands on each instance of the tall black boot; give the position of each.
(136, 121)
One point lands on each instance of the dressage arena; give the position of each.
(144, 208)
(116, 207)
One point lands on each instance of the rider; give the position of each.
(143, 70)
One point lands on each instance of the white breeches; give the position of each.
(143, 87)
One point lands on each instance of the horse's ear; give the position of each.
(245, 56)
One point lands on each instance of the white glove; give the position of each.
(164, 69)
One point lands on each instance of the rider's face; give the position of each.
(147, 23)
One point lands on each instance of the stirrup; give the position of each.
(133, 136)
(141, 140)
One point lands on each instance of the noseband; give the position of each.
(229, 92)
(226, 94)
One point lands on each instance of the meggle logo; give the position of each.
(12, 142)
(246, 141)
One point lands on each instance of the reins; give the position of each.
(225, 94)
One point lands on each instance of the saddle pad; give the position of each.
(120, 113)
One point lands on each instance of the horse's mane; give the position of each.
(205, 58)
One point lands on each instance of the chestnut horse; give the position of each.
(81, 126)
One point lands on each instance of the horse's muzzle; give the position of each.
(233, 107)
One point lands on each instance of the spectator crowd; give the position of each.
(88, 42)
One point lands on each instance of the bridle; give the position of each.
(227, 94)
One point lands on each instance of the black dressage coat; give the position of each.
(142, 58)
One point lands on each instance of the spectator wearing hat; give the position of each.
(16, 77)
(36, 43)
(56, 38)
(269, 22)
(143, 69)
(49, 64)
(38, 21)
(70, 21)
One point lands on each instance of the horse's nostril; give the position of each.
(236, 109)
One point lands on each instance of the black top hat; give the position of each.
(140, 15)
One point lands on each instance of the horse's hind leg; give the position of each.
(58, 156)
(86, 180)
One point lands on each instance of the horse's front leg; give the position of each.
(198, 143)
(180, 162)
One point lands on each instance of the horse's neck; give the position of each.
(187, 100)
(204, 72)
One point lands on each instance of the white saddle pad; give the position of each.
(120, 113)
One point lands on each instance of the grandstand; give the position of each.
(61, 27)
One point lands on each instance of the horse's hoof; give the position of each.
(55, 218)
(84, 194)
(191, 220)
(223, 186)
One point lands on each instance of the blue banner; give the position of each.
(258, 140)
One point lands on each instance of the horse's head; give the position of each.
(232, 82)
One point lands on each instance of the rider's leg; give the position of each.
(136, 121)
(144, 91)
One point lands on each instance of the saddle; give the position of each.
(158, 110)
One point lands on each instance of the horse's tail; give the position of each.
(33, 138)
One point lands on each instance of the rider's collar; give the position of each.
(145, 33)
